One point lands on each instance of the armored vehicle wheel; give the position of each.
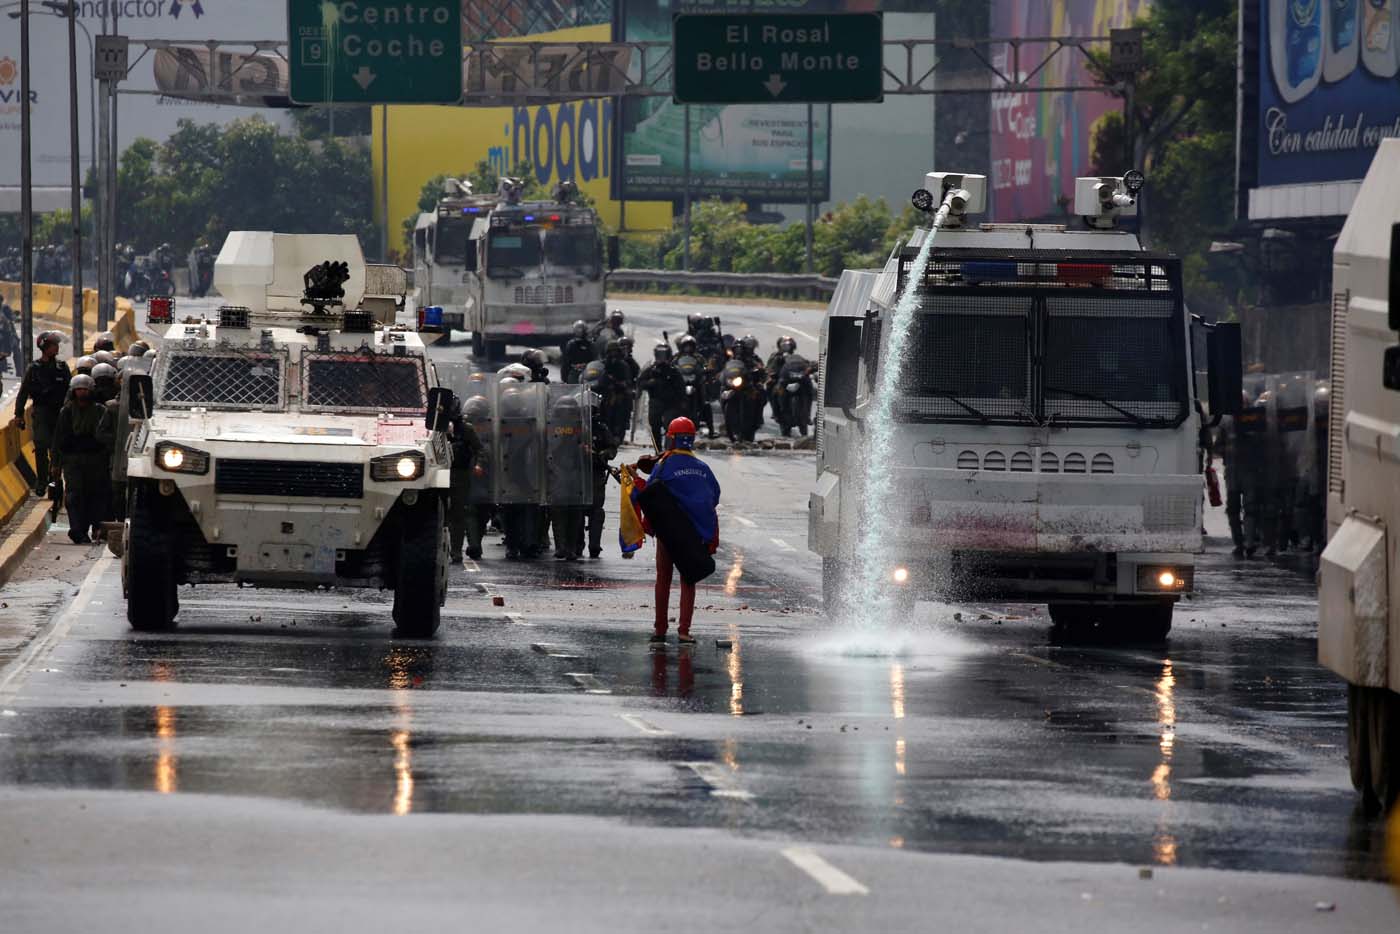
(1373, 746)
(421, 586)
(151, 602)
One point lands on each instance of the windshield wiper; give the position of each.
(1136, 419)
(953, 398)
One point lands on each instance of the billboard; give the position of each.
(1329, 88)
(562, 142)
(1041, 142)
(755, 152)
(150, 115)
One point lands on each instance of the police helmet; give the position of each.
(82, 381)
(615, 318)
(787, 344)
(104, 371)
(749, 342)
(533, 358)
(477, 407)
(626, 343)
(138, 349)
(662, 351)
(46, 337)
(84, 364)
(613, 348)
(580, 329)
(693, 322)
(105, 356)
(515, 371)
(687, 344)
(104, 341)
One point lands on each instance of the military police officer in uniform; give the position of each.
(665, 389)
(578, 353)
(46, 384)
(84, 460)
(466, 448)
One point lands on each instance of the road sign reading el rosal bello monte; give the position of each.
(375, 51)
(757, 58)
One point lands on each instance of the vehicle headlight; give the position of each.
(404, 465)
(736, 382)
(1164, 579)
(177, 458)
(900, 575)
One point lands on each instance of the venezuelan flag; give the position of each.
(629, 534)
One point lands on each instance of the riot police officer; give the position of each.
(539, 368)
(104, 377)
(84, 460)
(607, 331)
(104, 341)
(578, 353)
(569, 465)
(786, 345)
(605, 445)
(46, 384)
(477, 413)
(84, 364)
(665, 389)
(466, 448)
(615, 389)
(693, 372)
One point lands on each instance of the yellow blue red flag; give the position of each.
(629, 533)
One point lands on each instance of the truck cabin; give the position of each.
(539, 240)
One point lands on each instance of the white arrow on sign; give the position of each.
(364, 77)
(775, 84)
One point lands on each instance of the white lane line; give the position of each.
(827, 876)
(589, 683)
(746, 523)
(471, 565)
(810, 337)
(643, 726)
(11, 680)
(720, 782)
(515, 618)
(781, 544)
(551, 650)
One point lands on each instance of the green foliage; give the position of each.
(206, 180)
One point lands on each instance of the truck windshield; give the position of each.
(1058, 360)
(575, 248)
(232, 380)
(512, 251)
(450, 244)
(358, 382)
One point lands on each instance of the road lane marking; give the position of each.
(515, 618)
(589, 683)
(781, 544)
(720, 782)
(826, 875)
(809, 337)
(746, 523)
(551, 650)
(643, 726)
(11, 680)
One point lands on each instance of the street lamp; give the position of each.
(69, 12)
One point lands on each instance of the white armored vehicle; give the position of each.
(296, 441)
(1358, 634)
(508, 270)
(1045, 423)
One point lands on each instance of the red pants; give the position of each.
(664, 569)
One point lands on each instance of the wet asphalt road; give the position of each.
(961, 732)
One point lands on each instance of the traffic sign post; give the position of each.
(747, 58)
(375, 51)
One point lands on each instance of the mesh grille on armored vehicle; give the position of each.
(238, 477)
(362, 382)
(221, 379)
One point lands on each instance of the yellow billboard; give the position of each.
(562, 142)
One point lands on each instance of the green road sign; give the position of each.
(761, 58)
(375, 51)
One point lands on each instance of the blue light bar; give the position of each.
(989, 271)
(432, 315)
(471, 210)
(529, 217)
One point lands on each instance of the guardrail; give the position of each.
(53, 311)
(768, 284)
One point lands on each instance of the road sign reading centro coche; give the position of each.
(756, 58)
(375, 51)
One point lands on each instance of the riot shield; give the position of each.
(1291, 418)
(569, 440)
(477, 394)
(520, 454)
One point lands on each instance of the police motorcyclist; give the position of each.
(665, 389)
(466, 448)
(615, 389)
(46, 383)
(693, 371)
(84, 460)
(607, 330)
(539, 368)
(777, 358)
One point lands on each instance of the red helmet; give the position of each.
(680, 426)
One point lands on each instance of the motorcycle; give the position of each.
(792, 396)
(740, 398)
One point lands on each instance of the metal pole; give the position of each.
(107, 198)
(74, 178)
(811, 193)
(685, 187)
(384, 175)
(26, 195)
